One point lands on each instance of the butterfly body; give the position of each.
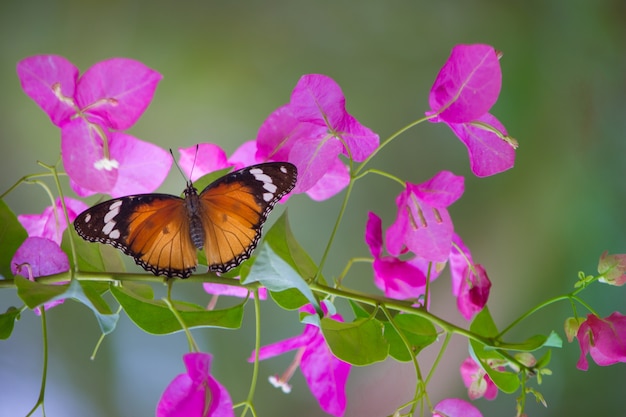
(163, 232)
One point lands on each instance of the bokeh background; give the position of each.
(227, 65)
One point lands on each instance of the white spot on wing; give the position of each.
(268, 196)
(87, 218)
(108, 228)
(283, 169)
(260, 176)
(111, 215)
(115, 234)
(270, 187)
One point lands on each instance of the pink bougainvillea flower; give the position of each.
(325, 375)
(232, 290)
(470, 283)
(397, 278)
(613, 269)
(464, 91)
(196, 392)
(455, 407)
(423, 224)
(311, 132)
(196, 161)
(478, 383)
(91, 110)
(51, 222)
(113, 93)
(245, 155)
(603, 339)
(38, 257)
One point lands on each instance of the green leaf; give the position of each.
(359, 310)
(484, 325)
(35, 294)
(285, 245)
(277, 275)
(12, 234)
(154, 316)
(289, 299)
(7, 321)
(87, 293)
(544, 360)
(92, 257)
(532, 343)
(417, 330)
(359, 343)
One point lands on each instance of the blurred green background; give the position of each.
(227, 65)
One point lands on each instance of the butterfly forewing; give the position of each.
(152, 228)
(235, 208)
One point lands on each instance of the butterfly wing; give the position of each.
(235, 207)
(152, 228)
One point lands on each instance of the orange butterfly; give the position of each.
(163, 232)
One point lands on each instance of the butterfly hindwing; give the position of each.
(152, 228)
(235, 208)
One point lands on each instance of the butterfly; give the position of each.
(163, 232)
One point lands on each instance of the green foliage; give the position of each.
(483, 325)
(280, 265)
(155, 317)
(418, 331)
(88, 293)
(12, 234)
(7, 321)
(359, 343)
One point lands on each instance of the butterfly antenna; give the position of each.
(192, 166)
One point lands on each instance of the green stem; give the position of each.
(193, 347)
(44, 375)
(386, 142)
(344, 205)
(257, 347)
(572, 297)
(399, 305)
(407, 344)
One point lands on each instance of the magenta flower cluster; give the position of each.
(315, 132)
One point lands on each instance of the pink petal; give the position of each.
(458, 264)
(49, 225)
(283, 346)
(359, 139)
(143, 166)
(313, 157)
(274, 138)
(245, 155)
(318, 99)
(455, 407)
(474, 291)
(489, 154)
(424, 230)
(326, 376)
(50, 81)
(44, 256)
(440, 191)
(81, 149)
(335, 179)
(468, 85)
(117, 91)
(399, 279)
(374, 234)
(604, 339)
(232, 291)
(209, 158)
(187, 394)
